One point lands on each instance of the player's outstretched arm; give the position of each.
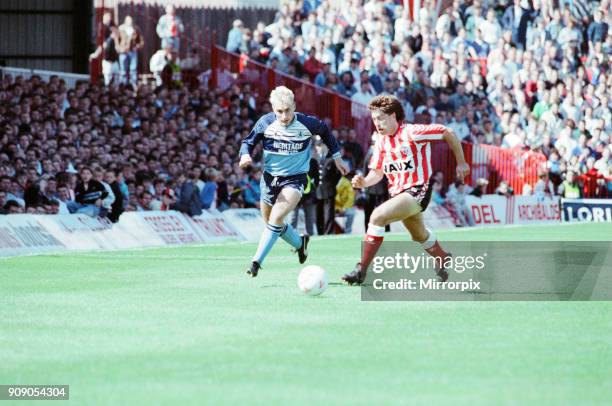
(373, 177)
(251, 140)
(463, 169)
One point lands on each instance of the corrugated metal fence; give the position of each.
(37, 34)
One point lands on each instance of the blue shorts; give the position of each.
(271, 186)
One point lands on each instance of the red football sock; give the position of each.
(433, 248)
(371, 244)
(436, 251)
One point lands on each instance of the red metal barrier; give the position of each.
(594, 185)
(515, 166)
(339, 111)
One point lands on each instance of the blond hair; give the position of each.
(282, 97)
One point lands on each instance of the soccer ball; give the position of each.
(312, 280)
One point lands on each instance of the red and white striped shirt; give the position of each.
(405, 157)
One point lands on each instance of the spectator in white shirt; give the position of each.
(565, 142)
(604, 163)
(491, 29)
(169, 28)
(459, 126)
(569, 35)
(544, 187)
(365, 94)
(158, 62)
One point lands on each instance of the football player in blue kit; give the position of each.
(286, 136)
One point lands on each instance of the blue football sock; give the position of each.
(290, 235)
(266, 242)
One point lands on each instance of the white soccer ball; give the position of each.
(312, 280)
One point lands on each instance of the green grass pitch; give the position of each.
(187, 326)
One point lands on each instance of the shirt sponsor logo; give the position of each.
(286, 146)
(399, 166)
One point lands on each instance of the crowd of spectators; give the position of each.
(102, 150)
(531, 74)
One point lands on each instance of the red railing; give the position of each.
(515, 166)
(337, 110)
(594, 185)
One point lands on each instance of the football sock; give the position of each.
(266, 242)
(290, 235)
(432, 246)
(372, 241)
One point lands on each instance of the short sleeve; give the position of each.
(427, 133)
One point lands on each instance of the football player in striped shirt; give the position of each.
(402, 153)
(286, 137)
